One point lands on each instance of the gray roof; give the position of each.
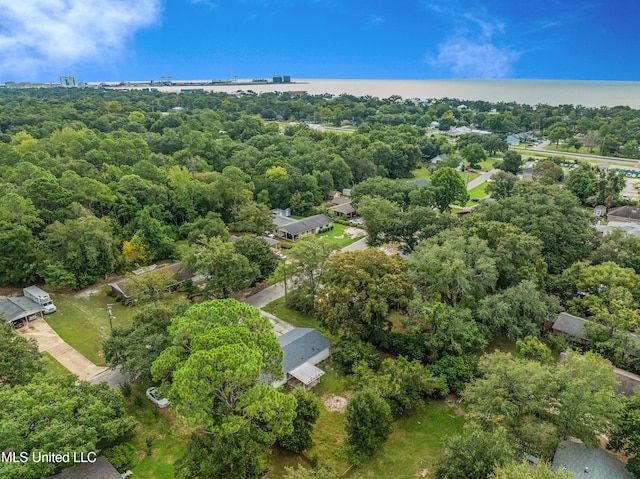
(340, 200)
(570, 324)
(574, 326)
(100, 469)
(280, 221)
(629, 382)
(439, 158)
(419, 183)
(627, 212)
(602, 464)
(18, 307)
(344, 208)
(306, 224)
(299, 345)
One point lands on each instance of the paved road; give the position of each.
(578, 156)
(49, 341)
(483, 178)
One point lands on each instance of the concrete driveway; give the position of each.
(49, 341)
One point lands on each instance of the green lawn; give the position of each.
(83, 322)
(52, 366)
(479, 191)
(280, 309)
(415, 442)
(337, 236)
(169, 440)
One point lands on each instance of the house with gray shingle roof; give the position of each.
(303, 348)
(101, 468)
(628, 214)
(311, 225)
(573, 457)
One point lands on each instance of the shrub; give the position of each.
(123, 456)
(347, 353)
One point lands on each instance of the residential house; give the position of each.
(343, 210)
(119, 288)
(311, 225)
(19, 308)
(281, 212)
(101, 468)
(573, 326)
(303, 349)
(625, 214)
(574, 457)
(437, 159)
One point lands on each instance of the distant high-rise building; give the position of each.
(68, 81)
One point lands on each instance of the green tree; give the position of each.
(83, 248)
(226, 270)
(582, 182)
(512, 162)
(212, 374)
(54, 414)
(307, 413)
(557, 132)
(368, 424)
(608, 187)
(475, 454)
(547, 172)
(501, 185)
(360, 289)
(402, 383)
(453, 269)
(258, 252)
(134, 349)
(19, 357)
(541, 470)
(307, 258)
(626, 434)
(474, 154)
(449, 188)
(520, 310)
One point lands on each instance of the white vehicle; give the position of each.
(41, 297)
(160, 402)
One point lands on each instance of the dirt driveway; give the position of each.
(49, 341)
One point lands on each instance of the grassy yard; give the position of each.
(415, 442)
(280, 309)
(337, 236)
(52, 366)
(479, 191)
(168, 441)
(83, 322)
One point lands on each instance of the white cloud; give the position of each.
(51, 35)
(474, 59)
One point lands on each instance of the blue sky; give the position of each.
(113, 40)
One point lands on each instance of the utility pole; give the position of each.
(109, 306)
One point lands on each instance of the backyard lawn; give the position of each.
(83, 322)
(338, 238)
(158, 427)
(415, 442)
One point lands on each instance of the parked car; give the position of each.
(160, 402)
(18, 325)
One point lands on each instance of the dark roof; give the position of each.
(100, 469)
(179, 275)
(306, 224)
(18, 307)
(299, 345)
(574, 326)
(339, 200)
(344, 208)
(570, 324)
(280, 221)
(602, 464)
(629, 382)
(627, 212)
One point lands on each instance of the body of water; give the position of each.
(532, 92)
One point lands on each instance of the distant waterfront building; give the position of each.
(68, 82)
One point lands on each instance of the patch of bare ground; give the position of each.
(454, 401)
(389, 249)
(335, 404)
(355, 232)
